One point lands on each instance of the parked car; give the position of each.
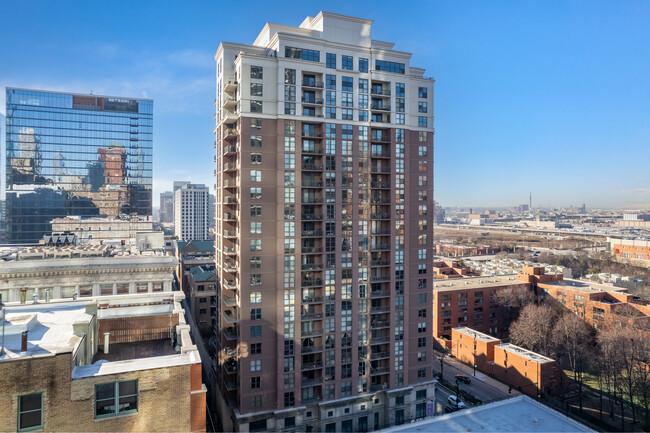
(456, 403)
(463, 378)
(449, 408)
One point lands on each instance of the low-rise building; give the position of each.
(524, 370)
(446, 269)
(638, 249)
(190, 254)
(201, 295)
(84, 271)
(96, 230)
(597, 304)
(115, 363)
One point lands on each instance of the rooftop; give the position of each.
(524, 353)
(475, 334)
(475, 283)
(518, 414)
(585, 286)
(50, 328)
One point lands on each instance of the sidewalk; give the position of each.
(453, 362)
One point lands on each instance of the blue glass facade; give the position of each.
(74, 155)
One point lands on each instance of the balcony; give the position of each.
(231, 385)
(379, 169)
(379, 310)
(229, 317)
(229, 284)
(380, 216)
(380, 185)
(383, 154)
(312, 184)
(230, 267)
(311, 315)
(380, 232)
(312, 84)
(230, 133)
(229, 183)
(230, 150)
(380, 278)
(311, 400)
(378, 387)
(229, 302)
(380, 200)
(311, 349)
(311, 382)
(380, 293)
(312, 266)
(312, 300)
(230, 333)
(229, 216)
(312, 332)
(376, 324)
(228, 234)
(230, 86)
(312, 233)
(311, 217)
(311, 166)
(379, 263)
(380, 138)
(312, 250)
(379, 91)
(379, 340)
(230, 366)
(230, 166)
(229, 102)
(311, 365)
(311, 133)
(380, 107)
(379, 370)
(312, 151)
(379, 247)
(379, 355)
(311, 101)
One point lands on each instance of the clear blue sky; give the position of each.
(548, 97)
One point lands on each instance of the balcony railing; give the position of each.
(380, 107)
(311, 134)
(380, 185)
(312, 266)
(311, 315)
(312, 332)
(312, 184)
(374, 324)
(380, 138)
(311, 349)
(311, 83)
(312, 200)
(230, 333)
(312, 250)
(379, 355)
(380, 216)
(313, 101)
(311, 365)
(375, 310)
(379, 370)
(311, 217)
(311, 382)
(379, 293)
(311, 166)
(378, 169)
(379, 247)
(379, 91)
(312, 299)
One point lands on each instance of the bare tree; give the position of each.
(573, 338)
(534, 328)
(513, 299)
(440, 353)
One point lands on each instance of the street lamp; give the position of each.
(3, 312)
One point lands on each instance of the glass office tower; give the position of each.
(75, 155)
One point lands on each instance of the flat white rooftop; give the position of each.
(49, 326)
(524, 353)
(475, 334)
(475, 283)
(518, 414)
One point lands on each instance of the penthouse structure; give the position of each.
(324, 183)
(116, 363)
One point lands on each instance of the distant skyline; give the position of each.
(551, 97)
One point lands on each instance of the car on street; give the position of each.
(463, 378)
(455, 402)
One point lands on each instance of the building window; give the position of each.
(256, 331)
(256, 210)
(422, 122)
(330, 112)
(346, 84)
(256, 175)
(422, 107)
(256, 365)
(256, 297)
(289, 399)
(256, 382)
(256, 141)
(256, 106)
(116, 398)
(347, 63)
(422, 92)
(256, 158)
(256, 348)
(256, 314)
(303, 54)
(257, 72)
(256, 193)
(256, 89)
(330, 61)
(30, 411)
(330, 82)
(363, 65)
(382, 65)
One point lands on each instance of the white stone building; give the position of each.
(191, 212)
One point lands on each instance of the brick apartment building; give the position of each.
(190, 254)
(597, 304)
(471, 302)
(629, 248)
(59, 374)
(202, 295)
(324, 234)
(524, 370)
(446, 269)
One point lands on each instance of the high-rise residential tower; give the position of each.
(324, 182)
(191, 212)
(75, 155)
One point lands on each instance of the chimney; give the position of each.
(23, 342)
(106, 341)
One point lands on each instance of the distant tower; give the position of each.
(530, 204)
